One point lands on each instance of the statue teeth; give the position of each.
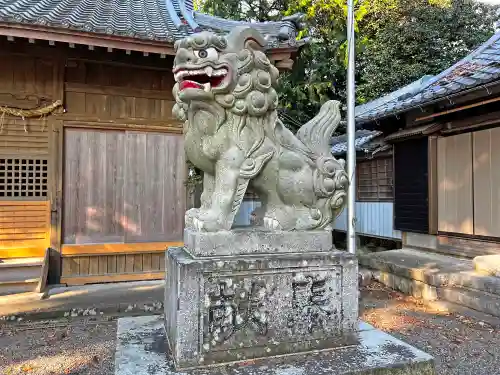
(219, 72)
(207, 87)
(180, 75)
(208, 71)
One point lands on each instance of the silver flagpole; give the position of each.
(351, 129)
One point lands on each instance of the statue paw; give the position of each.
(270, 223)
(207, 221)
(192, 212)
(189, 216)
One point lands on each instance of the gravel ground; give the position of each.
(79, 347)
(461, 345)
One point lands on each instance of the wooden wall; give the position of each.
(123, 186)
(26, 169)
(469, 184)
(117, 131)
(454, 179)
(487, 182)
(124, 173)
(81, 265)
(24, 228)
(119, 94)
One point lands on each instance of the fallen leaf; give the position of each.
(246, 363)
(26, 368)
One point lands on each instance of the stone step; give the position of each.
(432, 269)
(19, 275)
(487, 265)
(7, 288)
(473, 299)
(469, 298)
(434, 277)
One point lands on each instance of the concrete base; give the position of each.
(137, 298)
(257, 240)
(142, 349)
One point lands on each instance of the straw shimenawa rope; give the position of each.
(26, 113)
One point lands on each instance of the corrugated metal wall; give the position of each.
(243, 216)
(374, 219)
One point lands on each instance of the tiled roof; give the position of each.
(478, 68)
(363, 137)
(160, 20)
(146, 19)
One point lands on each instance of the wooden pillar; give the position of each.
(56, 165)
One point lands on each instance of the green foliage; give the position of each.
(247, 10)
(194, 176)
(397, 42)
(416, 38)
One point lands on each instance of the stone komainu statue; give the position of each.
(225, 93)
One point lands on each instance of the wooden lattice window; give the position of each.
(23, 178)
(375, 180)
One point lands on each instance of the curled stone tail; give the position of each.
(316, 133)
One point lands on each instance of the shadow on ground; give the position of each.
(460, 344)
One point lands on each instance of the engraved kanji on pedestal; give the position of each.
(314, 304)
(231, 307)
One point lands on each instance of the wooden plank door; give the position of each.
(93, 187)
(155, 199)
(124, 201)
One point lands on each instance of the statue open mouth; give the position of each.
(202, 79)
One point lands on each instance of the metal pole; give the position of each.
(351, 129)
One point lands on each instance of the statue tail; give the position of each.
(330, 184)
(317, 133)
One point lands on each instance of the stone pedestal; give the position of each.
(247, 294)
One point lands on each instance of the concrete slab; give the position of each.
(140, 296)
(141, 349)
(257, 240)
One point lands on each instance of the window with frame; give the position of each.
(375, 180)
(23, 178)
